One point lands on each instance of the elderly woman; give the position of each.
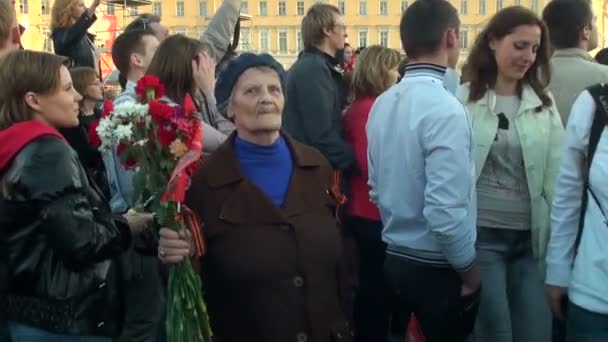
(70, 21)
(58, 238)
(272, 270)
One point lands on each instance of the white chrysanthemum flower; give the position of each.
(129, 110)
(142, 142)
(123, 132)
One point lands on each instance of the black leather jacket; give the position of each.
(58, 245)
(75, 42)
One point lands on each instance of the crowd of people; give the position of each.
(339, 199)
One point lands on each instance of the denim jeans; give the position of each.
(585, 326)
(21, 332)
(513, 305)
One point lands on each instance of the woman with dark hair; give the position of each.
(59, 241)
(517, 131)
(70, 21)
(602, 56)
(272, 271)
(184, 67)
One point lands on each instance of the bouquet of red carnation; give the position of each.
(162, 143)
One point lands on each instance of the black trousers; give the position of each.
(433, 295)
(373, 300)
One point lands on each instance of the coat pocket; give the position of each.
(342, 331)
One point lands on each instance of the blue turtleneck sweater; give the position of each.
(268, 167)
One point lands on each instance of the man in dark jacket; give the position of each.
(313, 112)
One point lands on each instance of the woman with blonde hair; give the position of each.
(517, 130)
(376, 71)
(70, 21)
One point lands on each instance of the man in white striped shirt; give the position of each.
(421, 172)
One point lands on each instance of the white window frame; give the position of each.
(483, 7)
(464, 38)
(264, 12)
(157, 8)
(464, 7)
(245, 39)
(362, 7)
(404, 5)
(177, 8)
(342, 6)
(282, 8)
(245, 7)
(264, 30)
(45, 7)
(284, 31)
(200, 8)
(299, 41)
(383, 8)
(359, 36)
(300, 10)
(388, 37)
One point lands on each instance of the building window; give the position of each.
(264, 39)
(202, 8)
(111, 9)
(534, 5)
(384, 38)
(499, 5)
(464, 38)
(282, 8)
(363, 38)
(300, 8)
(244, 7)
(517, 3)
(134, 11)
(403, 6)
(342, 7)
(157, 9)
(383, 7)
(482, 7)
(299, 42)
(263, 8)
(44, 7)
(464, 7)
(48, 42)
(283, 41)
(181, 30)
(245, 39)
(24, 8)
(179, 9)
(362, 7)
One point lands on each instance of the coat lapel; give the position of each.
(226, 177)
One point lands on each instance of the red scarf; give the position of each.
(18, 136)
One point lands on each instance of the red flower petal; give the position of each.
(108, 108)
(189, 107)
(94, 139)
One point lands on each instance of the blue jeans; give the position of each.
(585, 326)
(513, 307)
(21, 332)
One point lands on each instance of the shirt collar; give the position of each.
(425, 69)
(575, 53)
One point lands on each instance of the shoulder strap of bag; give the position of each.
(599, 93)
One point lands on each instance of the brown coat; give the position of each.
(271, 274)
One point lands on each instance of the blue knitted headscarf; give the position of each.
(229, 76)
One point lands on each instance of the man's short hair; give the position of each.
(142, 22)
(127, 43)
(318, 18)
(7, 19)
(424, 24)
(565, 19)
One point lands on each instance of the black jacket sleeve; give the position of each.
(65, 39)
(319, 116)
(74, 219)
